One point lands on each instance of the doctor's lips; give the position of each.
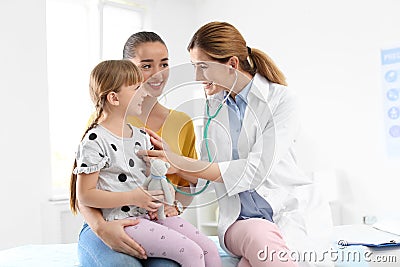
(208, 85)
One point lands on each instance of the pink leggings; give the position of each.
(259, 243)
(175, 239)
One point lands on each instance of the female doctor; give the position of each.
(251, 146)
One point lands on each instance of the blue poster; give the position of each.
(390, 60)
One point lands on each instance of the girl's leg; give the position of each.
(163, 242)
(211, 255)
(93, 252)
(259, 243)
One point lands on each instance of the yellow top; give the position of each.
(178, 132)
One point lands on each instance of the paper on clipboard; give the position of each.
(389, 226)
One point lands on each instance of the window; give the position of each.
(118, 24)
(74, 47)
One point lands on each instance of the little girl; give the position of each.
(108, 173)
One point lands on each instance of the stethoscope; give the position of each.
(210, 117)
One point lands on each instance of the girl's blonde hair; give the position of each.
(220, 41)
(108, 76)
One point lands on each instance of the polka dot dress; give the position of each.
(115, 157)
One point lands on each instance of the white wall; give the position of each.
(24, 137)
(174, 21)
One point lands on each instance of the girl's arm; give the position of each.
(89, 195)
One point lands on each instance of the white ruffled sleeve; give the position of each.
(90, 157)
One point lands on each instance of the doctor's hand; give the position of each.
(166, 156)
(157, 141)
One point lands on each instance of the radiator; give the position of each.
(59, 224)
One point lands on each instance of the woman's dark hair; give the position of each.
(137, 39)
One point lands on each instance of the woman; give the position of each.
(104, 243)
(259, 187)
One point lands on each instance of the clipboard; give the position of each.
(391, 243)
(365, 235)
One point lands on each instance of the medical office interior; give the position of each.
(332, 53)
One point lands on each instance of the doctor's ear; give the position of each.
(233, 62)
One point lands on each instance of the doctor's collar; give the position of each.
(243, 93)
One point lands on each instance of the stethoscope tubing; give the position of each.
(205, 136)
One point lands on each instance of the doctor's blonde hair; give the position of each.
(221, 41)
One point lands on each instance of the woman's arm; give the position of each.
(89, 195)
(184, 199)
(112, 233)
(187, 142)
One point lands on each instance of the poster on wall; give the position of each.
(390, 60)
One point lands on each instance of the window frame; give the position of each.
(127, 5)
(94, 24)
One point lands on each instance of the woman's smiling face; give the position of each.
(152, 60)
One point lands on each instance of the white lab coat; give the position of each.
(266, 162)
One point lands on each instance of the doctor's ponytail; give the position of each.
(266, 67)
(221, 41)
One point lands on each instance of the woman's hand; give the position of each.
(170, 211)
(112, 233)
(149, 200)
